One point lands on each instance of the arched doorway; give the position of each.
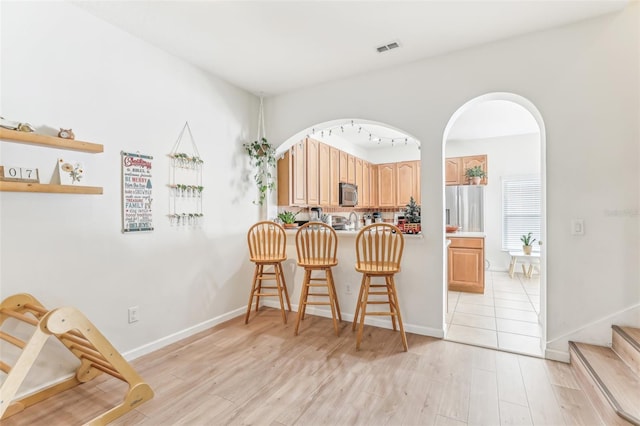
(483, 319)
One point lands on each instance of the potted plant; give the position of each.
(263, 158)
(475, 174)
(411, 224)
(527, 242)
(288, 219)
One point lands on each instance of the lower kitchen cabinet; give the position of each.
(466, 265)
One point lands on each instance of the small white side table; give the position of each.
(531, 259)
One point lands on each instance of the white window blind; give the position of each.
(521, 209)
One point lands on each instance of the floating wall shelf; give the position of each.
(31, 138)
(49, 141)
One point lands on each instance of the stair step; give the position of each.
(626, 343)
(611, 381)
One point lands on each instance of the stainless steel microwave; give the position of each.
(348, 195)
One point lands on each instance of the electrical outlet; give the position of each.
(577, 227)
(133, 314)
(347, 289)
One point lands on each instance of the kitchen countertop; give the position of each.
(463, 234)
(353, 233)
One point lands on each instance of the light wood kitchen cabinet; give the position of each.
(334, 177)
(366, 184)
(373, 185)
(351, 169)
(407, 182)
(454, 168)
(472, 161)
(313, 185)
(453, 171)
(292, 176)
(466, 265)
(324, 174)
(344, 172)
(359, 182)
(387, 185)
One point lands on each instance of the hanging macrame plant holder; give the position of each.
(263, 159)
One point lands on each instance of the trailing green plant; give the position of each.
(412, 211)
(287, 217)
(475, 171)
(263, 159)
(528, 239)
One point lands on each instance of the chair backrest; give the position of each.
(379, 248)
(267, 241)
(316, 242)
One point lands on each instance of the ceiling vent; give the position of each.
(387, 47)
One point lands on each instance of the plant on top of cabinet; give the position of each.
(263, 158)
(475, 174)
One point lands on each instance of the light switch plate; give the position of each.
(577, 227)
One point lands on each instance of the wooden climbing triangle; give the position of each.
(82, 338)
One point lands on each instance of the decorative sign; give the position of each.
(70, 172)
(136, 192)
(19, 174)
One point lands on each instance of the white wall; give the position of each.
(62, 67)
(515, 155)
(583, 79)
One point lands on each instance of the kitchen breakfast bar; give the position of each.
(410, 282)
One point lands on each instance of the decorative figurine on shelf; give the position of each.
(14, 125)
(66, 134)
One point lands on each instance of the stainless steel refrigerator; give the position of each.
(465, 207)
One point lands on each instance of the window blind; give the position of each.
(521, 208)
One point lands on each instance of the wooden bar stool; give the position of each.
(267, 247)
(317, 244)
(378, 254)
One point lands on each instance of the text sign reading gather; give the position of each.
(136, 192)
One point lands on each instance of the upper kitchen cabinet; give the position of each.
(292, 176)
(453, 171)
(454, 168)
(387, 185)
(324, 174)
(473, 161)
(359, 181)
(334, 174)
(373, 181)
(344, 177)
(313, 186)
(407, 182)
(366, 185)
(351, 169)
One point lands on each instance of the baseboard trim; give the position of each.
(182, 334)
(556, 355)
(376, 322)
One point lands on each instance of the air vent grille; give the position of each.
(387, 47)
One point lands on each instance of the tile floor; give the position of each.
(504, 317)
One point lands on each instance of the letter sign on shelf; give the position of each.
(20, 174)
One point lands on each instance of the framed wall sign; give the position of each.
(137, 186)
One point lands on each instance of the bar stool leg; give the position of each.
(333, 286)
(332, 300)
(365, 297)
(392, 303)
(395, 298)
(253, 290)
(279, 288)
(284, 285)
(358, 304)
(304, 291)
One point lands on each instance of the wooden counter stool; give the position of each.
(378, 254)
(267, 247)
(317, 244)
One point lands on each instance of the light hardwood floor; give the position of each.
(261, 374)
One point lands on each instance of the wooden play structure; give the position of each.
(81, 337)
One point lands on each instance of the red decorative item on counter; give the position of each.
(408, 228)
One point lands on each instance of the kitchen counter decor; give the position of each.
(411, 222)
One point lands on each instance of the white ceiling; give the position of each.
(272, 47)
